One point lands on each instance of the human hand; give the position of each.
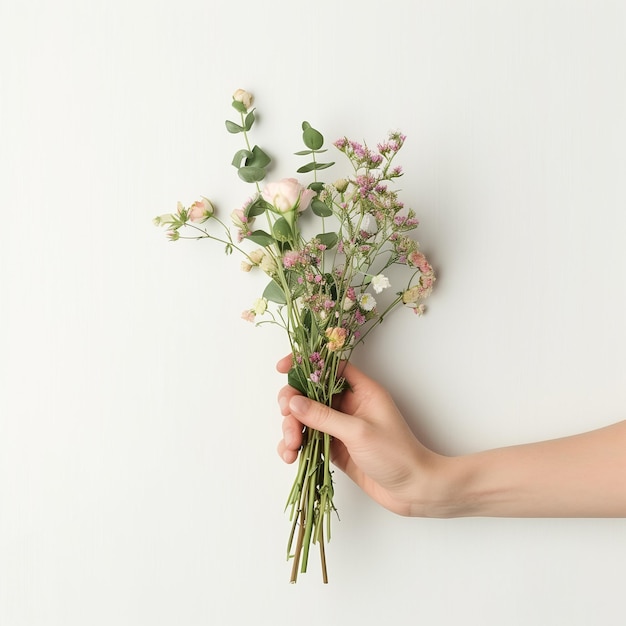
(372, 443)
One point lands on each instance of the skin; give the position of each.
(578, 476)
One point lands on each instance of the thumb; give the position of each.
(319, 416)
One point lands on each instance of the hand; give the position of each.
(372, 443)
(576, 476)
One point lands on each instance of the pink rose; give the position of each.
(200, 210)
(287, 195)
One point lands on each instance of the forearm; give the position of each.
(579, 476)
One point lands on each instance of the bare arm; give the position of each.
(579, 476)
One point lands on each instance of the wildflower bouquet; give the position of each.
(321, 290)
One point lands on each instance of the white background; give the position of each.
(139, 483)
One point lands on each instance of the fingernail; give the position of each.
(283, 403)
(298, 404)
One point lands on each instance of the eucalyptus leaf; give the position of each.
(309, 167)
(261, 237)
(251, 174)
(274, 293)
(317, 186)
(249, 120)
(231, 127)
(240, 155)
(282, 230)
(256, 208)
(239, 106)
(320, 208)
(303, 152)
(328, 239)
(312, 138)
(258, 158)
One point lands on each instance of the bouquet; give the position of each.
(324, 289)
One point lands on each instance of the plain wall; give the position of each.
(139, 483)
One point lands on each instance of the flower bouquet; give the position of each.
(323, 289)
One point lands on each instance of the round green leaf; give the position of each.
(281, 229)
(320, 208)
(312, 138)
(328, 239)
(251, 174)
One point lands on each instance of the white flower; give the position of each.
(367, 302)
(380, 282)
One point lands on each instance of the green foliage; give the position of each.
(282, 230)
(312, 138)
(261, 237)
(251, 174)
(297, 380)
(239, 106)
(274, 293)
(313, 165)
(321, 209)
(256, 208)
(233, 128)
(328, 239)
(249, 120)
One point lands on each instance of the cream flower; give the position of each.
(256, 256)
(243, 96)
(268, 265)
(411, 296)
(260, 306)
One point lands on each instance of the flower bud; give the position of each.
(200, 210)
(162, 220)
(341, 185)
(246, 98)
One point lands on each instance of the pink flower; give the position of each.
(248, 315)
(291, 258)
(200, 210)
(417, 259)
(336, 338)
(287, 195)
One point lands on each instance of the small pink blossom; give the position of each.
(248, 315)
(291, 258)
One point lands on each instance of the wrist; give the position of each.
(452, 489)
